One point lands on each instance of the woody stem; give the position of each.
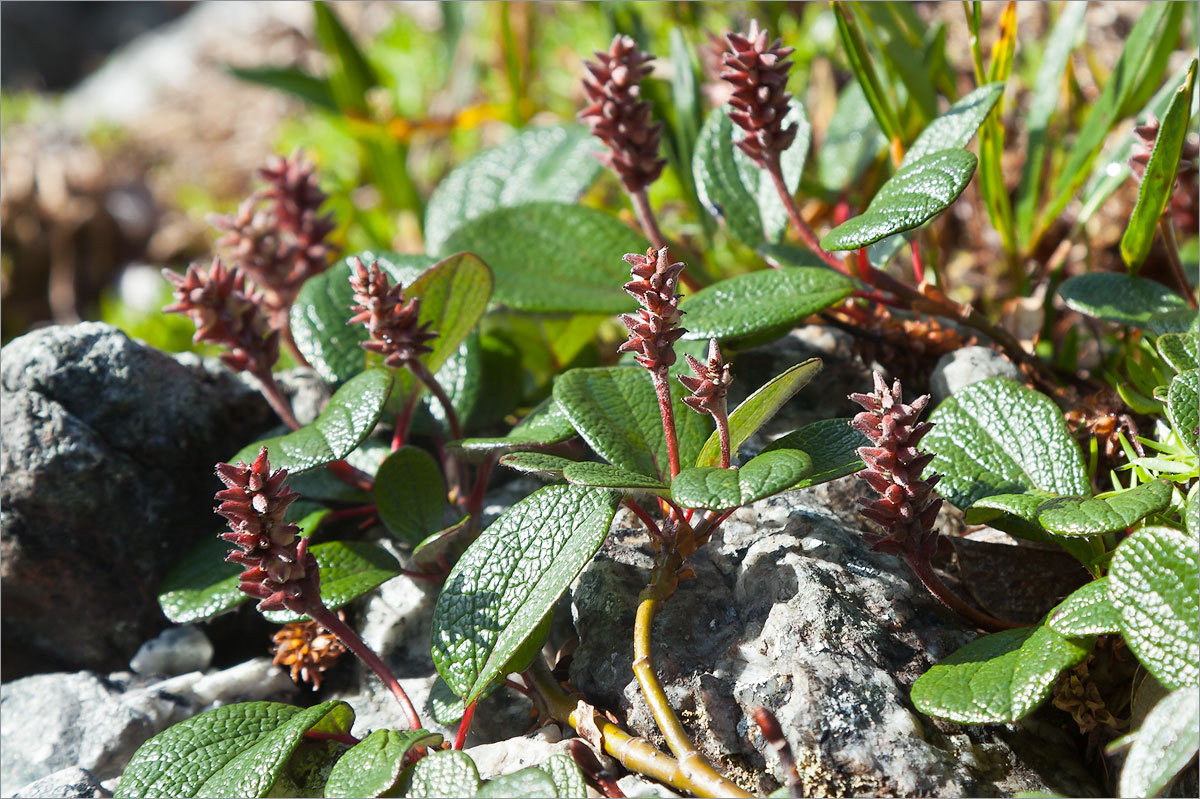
(924, 571)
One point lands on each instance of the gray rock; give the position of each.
(108, 449)
(792, 611)
(176, 650)
(69, 783)
(959, 369)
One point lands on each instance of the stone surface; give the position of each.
(176, 650)
(69, 783)
(108, 449)
(957, 370)
(791, 610)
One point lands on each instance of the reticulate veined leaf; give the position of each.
(754, 303)
(831, 444)
(440, 774)
(553, 257)
(442, 548)
(553, 164)
(999, 678)
(509, 579)
(530, 781)
(546, 424)
(1074, 516)
(1158, 181)
(202, 584)
(349, 569)
(1122, 298)
(713, 488)
(538, 464)
(603, 475)
(615, 410)
(955, 128)
(449, 709)
(322, 308)
(1017, 515)
(235, 750)
(410, 494)
(1165, 743)
(1154, 580)
(913, 196)
(758, 409)
(373, 766)
(345, 423)
(1179, 350)
(1182, 400)
(568, 779)
(998, 437)
(1087, 611)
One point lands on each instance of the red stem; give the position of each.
(801, 227)
(645, 216)
(924, 571)
(464, 726)
(330, 621)
(274, 396)
(351, 513)
(641, 513)
(475, 501)
(355, 478)
(722, 420)
(918, 267)
(422, 373)
(403, 420)
(663, 389)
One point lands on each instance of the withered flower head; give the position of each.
(279, 569)
(1184, 205)
(655, 329)
(390, 319)
(307, 649)
(711, 383)
(617, 115)
(758, 70)
(907, 506)
(226, 315)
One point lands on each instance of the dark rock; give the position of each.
(108, 449)
(69, 783)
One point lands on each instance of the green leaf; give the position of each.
(1087, 611)
(202, 584)
(864, 72)
(349, 569)
(603, 475)
(713, 488)
(350, 76)
(447, 707)
(998, 437)
(509, 579)
(1073, 516)
(1179, 350)
(1164, 745)
(538, 464)
(1182, 407)
(322, 308)
(1154, 579)
(1017, 515)
(853, 140)
(373, 766)
(760, 301)
(345, 423)
(831, 444)
(441, 774)
(568, 779)
(293, 81)
(1158, 182)
(957, 126)
(235, 750)
(454, 293)
(530, 782)
(758, 409)
(999, 678)
(410, 493)
(555, 164)
(443, 547)
(913, 196)
(1024, 506)
(546, 424)
(615, 410)
(1121, 298)
(578, 269)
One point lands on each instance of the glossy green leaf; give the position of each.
(1158, 182)
(913, 196)
(442, 548)
(441, 774)
(1163, 746)
(853, 140)
(758, 409)
(1154, 581)
(373, 766)
(714, 488)
(831, 444)
(454, 293)
(1121, 298)
(530, 781)
(291, 80)
(1191, 514)
(1180, 350)
(546, 424)
(603, 475)
(202, 584)
(1087, 611)
(1182, 401)
(1074, 516)
(349, 569)
(538, 464)
(410, 494)
(955, 128)
(1017, 515)
(1023, 505)
(322, 308)
(552, 256)
(447, 707)
(998, 437)
(345, 423)
(754, 303)
(999, 678)
(615, 410)
(555, 164)
(509, 579)
(235, 750)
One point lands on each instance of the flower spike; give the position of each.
(758, 70)
(655, 328)
(391, 320)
